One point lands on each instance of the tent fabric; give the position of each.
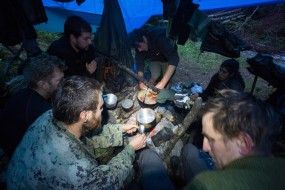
(137, 12)
(111, 37)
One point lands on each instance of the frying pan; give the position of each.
(147, 98)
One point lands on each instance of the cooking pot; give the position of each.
(147, 98)
(110, 100)
(127, 104)
(146, 118)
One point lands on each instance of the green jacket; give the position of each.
(260, 173)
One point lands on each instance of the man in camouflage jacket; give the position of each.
(53, 153)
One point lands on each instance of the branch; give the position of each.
(247, 19)
(190, 117)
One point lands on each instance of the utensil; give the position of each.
(141, 129)
(145, 95)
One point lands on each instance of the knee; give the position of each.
(148, 154)
(189, 150)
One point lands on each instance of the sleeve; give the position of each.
(111, 136)
(210, 90)
(113, 175)
(168, 50)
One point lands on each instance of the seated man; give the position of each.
(42, 76)
(53, 153)
(228, 77)
(75, 47)
(153, 44)
(239, 133)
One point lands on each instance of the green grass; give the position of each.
(44, 40)
(203, 60)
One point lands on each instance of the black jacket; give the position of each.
(21, 110)
(235, 83)
(160, 48)
(75, 61)
(17, 18)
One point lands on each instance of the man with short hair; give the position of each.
(55, 154)
(75, 47)
(152, 44)
(239, 133)
(42, 75)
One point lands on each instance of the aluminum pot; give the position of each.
(146, 117)
(110, 100)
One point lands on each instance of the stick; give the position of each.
(190, 117)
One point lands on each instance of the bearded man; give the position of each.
(55, 154)
(75, 47)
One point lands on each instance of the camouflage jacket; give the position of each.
(110, 136)
(49, 157)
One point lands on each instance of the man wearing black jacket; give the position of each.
(75, 47)
(152, 44)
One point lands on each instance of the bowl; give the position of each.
(146, 117)
(110, 100)
(127, 104)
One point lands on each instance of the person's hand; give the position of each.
(160, 85)
(142, 86)
(91, 67)
(130, 128)
(194, 97)
(138, 141)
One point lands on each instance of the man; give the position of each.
(75, 47)
(42, 76)
(153, 44)
(53, 153)
(239, 133)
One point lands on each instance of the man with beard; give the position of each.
(42, 75)
(55, 154)
(75, 47)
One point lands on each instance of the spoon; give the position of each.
(145, 95)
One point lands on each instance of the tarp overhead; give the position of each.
(208, 5)
(135, 12)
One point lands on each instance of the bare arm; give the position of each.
(169, 72)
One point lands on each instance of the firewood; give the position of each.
(190, 117)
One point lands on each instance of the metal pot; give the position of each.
(110, 100)
(146, 118)
(127, 104)
(147, 99)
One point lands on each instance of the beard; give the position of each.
(90, 125)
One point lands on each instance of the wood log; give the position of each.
(128, 114)
(190, 117)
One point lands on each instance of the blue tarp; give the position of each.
(135, 12)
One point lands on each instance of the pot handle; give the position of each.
(141, 129)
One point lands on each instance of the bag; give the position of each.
(263, 66)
